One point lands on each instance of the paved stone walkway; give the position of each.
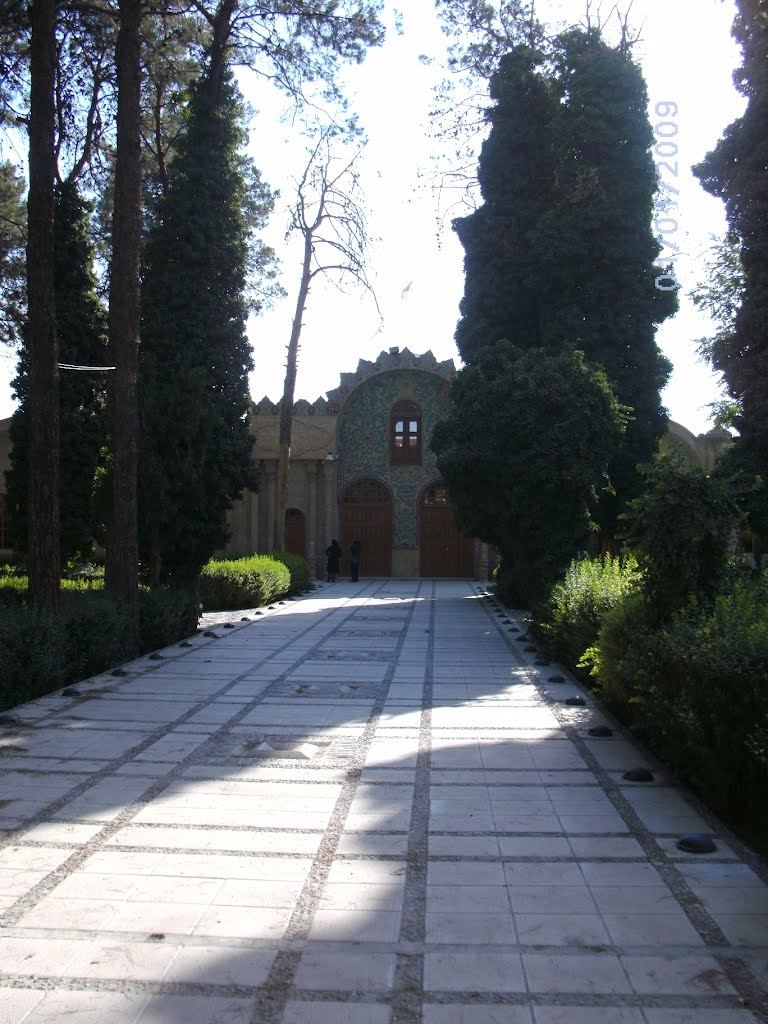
(368, 806)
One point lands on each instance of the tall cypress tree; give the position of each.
(81, 324)
(559, 261)
(195, 358)
(594, 248)
(516, 180)
(735, 171)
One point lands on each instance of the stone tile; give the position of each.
(561, 929)
(551, 899)
(221, 965)
(16, 1003)
(476, 1014)
(169, 1009)
(473, 929)
(744, 929)
(335, 1013)
(587, 1015)
(651, 930)
(464, 873)
(361, 896)
(677, 975)
(355, 925)
(268, 923)
(86, 1007)
(700, 1016)
(46, 958)
(346, 971)
(122, 961)
(482, 971)
(598, 974)
(466, 899)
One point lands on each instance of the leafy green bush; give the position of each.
(569, 623)
(679, 529)
(301, 578)
(696, 689)
(166, 614)
(243, 582)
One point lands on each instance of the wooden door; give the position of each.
(295, 532)
(443, 550)
(366, 515)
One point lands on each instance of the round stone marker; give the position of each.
(9, 718)
(697, 842)
(575, 702)
(156, 657)
(186, 643)
(118, 672)
(228, 625)
(639, 775)
(245, 618)
(211, 634)
(600, 730)
(71, 691)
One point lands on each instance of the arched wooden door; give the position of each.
(443, 550)
(366, 515)
(296, 532)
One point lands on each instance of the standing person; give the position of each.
(354, 560)
(333, 554)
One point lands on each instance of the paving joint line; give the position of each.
(735, 969)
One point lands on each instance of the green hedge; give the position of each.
(301, 577)
(41, 651)
(696, 690)
(569, 624)
(243, 582)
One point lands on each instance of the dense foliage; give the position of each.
(523, 480)
(736, 290)
(569, 622)
(41, 651)
(559, 259)
(243, 582)
(80, 321)
(195, 357)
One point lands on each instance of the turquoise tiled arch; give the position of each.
(363, 441)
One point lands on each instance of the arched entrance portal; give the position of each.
(366, 515)
(443, 551)
(295, 532)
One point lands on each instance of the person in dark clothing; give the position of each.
(333, 554)
(354, 560)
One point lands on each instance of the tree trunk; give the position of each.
(122, 569)
(289, 387)
(43, 405)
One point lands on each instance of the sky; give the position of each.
(687, 56)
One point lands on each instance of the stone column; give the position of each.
(270, 473)
(253, 522)
(312, 547)
(329, 486)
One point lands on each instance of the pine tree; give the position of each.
(195, 357)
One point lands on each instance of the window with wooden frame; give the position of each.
(405, 434)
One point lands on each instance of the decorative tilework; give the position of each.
(363, 441)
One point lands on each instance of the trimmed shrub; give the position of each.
(301, 578)
(243, 582)
(166, 614)
(41, 651)
(569, 623)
